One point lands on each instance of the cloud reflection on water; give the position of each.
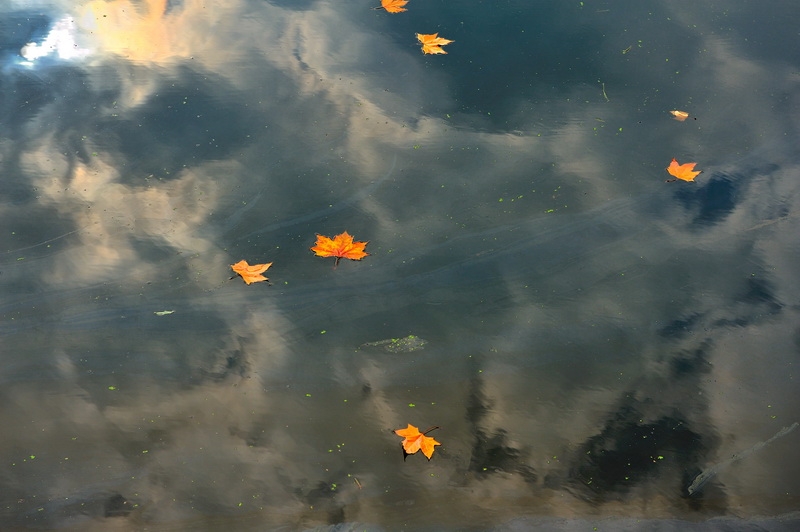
(594, 307)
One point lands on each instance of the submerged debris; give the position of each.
(398, 345)
(708, 473)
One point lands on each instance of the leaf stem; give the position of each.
(430, 429)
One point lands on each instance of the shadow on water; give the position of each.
(718, 197)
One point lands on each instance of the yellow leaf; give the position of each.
(680, 116)
(414, 440)
(393, 6)
(251, 273)
(684, 171)
(432, 43)
(341, 246)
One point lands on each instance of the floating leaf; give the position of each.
(341, 247)
(414, 441)
(684, 171)
(393, 6)
(251, 273)
(432, 43)
(680, 116)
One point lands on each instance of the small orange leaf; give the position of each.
(684, 171)
(680, 116)
(393, 6)
(414, 440)
(432, 43)
(341, 246)
(251, 273)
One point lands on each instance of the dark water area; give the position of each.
(604, 346)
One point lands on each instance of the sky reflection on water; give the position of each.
(597, 337)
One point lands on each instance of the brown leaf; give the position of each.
(251, 273)
(432, 43)
(684, 171)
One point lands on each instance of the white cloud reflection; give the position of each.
(60, 42)
(249, 416)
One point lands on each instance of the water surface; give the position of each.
(598, 339)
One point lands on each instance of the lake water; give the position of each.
(605, 346)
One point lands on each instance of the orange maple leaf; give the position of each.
(251, 273)
(417, 441)
(682, 171)
(432, 43)
(393, 6)
(342, 246)
(680, 116)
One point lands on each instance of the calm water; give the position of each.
(601, 343)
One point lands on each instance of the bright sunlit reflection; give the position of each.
(60, 42)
